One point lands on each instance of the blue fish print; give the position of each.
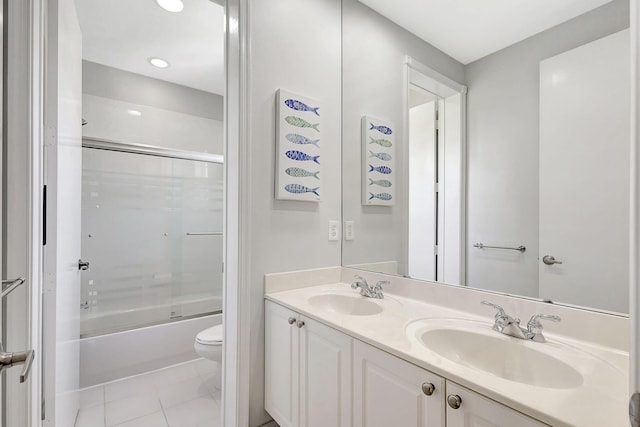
(299, 139)
(300, 189)
(300, 156)
(382, 169)
(382, 156)
(301, 106)
(382, 196)
(381, 129)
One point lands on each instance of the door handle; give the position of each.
(83, 265)
(550, 260)
(9, 285)
(8, 359)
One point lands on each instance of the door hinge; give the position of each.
(437, 187)
(435, 249)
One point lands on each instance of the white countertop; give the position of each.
(600, 401)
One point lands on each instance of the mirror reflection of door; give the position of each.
(584, 179)
(423, 181)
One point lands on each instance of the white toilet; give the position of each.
(208, 344)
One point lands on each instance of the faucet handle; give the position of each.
(359, 282)
(534, 327)
(500, 311)
(382, 282)
(534, 322)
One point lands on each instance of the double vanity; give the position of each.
(341, 352)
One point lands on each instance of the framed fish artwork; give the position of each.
(298, 148)
(378, 162)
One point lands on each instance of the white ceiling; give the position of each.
(468, 30)
(124, 34)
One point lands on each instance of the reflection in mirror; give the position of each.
(540, 205)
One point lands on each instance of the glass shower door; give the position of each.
(151, 230)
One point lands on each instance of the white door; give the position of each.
(388, 391)
(281, 364)
(325, 376)
(19, 389)
(422, 216)
(584, 174)
(63, 149)
(474, 410)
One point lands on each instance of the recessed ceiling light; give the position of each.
(158, 62)
(171, 5)
(134, 112)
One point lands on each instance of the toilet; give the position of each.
(208, 344)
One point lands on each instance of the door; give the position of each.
(281, 364)
(325, 375)
(468, 409)
(423, 177)
(584, 190)
(19, 395)
(391, 392)
(63, 151)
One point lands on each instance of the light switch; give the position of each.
(349, 230)
(334, 231)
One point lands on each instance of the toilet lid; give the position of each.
(211, 335)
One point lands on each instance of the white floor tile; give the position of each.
(205, 366)
(92, 396)
(92, 416)
(156, 419)
(195, 412)
(175, 374)
(131, 407)
(209, 382)
(174, 394)
(140, 384)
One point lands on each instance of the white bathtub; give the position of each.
(122, 354)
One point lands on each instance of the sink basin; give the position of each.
(509, 358)
(354, 305)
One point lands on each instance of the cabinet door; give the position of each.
(478, 411)
(389, 391)
(281, 365)
(325, 376)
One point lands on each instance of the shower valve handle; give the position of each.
(83, 265)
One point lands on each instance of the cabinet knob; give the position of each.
(454, 401)
(291, 320)
(428, 388)
(300, 323)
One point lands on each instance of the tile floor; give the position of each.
(177, 396)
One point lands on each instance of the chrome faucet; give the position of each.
(368, 291)
(508, 325)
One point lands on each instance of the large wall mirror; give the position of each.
(511, 145)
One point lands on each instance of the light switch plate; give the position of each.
(334, 231)
(349, 230)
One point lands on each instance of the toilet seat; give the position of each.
(210, 336)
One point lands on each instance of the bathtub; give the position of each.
(121, 354)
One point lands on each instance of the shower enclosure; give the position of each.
(152, 235)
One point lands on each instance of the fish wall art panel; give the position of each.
(378, 162)
(298, 148)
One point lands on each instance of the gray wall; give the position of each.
(374, 50)
(295, 47)
(503, 132)
(108, 82)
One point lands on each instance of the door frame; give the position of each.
(27, 38)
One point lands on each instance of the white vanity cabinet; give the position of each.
(316, 376)
(387, 391)
(307, 371)
(475, 410)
